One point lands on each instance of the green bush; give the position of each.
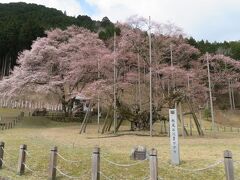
(207, 113)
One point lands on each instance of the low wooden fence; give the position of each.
(221, 128)
(60, 117)
(218, 128)
(96, 172)
(10, 122)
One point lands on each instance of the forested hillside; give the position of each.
(231, 48)
(21, 23)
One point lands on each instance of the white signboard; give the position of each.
(175, 159)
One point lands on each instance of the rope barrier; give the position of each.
(237, 162)
(200, 169)
(71, 177)
(32, 156)
(28, 168)
(146, 177)
(8, 167)
(123, 165)
(105, 176)
(27, 153)
(67, 160)
(6, 152)
(34, 173)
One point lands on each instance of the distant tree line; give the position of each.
(21, 24)
(231, 48)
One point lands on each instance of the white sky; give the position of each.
(203, 19)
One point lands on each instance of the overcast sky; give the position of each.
(215, 20)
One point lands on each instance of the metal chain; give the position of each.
(122, 165)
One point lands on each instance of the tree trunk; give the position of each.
(230, 94)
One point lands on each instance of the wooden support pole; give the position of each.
(230, 94)
(150, 76)
(153, 164)
(22, 115)
(182, 119)
(96, 164)
(52, 164)
(210, 94)
(161, 127)
(190, 123)
(21, 159)
(114, 86)
(165, 127)
(228, 164)
(1, 153)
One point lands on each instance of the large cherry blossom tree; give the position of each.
(59, 64)
(75, 60)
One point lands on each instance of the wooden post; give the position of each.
(191, 126)
(1, 153)
(52, 164)
(200, 119)
(22, 159)
(165, 127)
(182, 119)
(22, 114)
(153, 164)
(228, 164)
(96, 164)
(161, 127)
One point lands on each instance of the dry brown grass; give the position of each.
(41, 134)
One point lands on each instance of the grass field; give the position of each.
(41, 135)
